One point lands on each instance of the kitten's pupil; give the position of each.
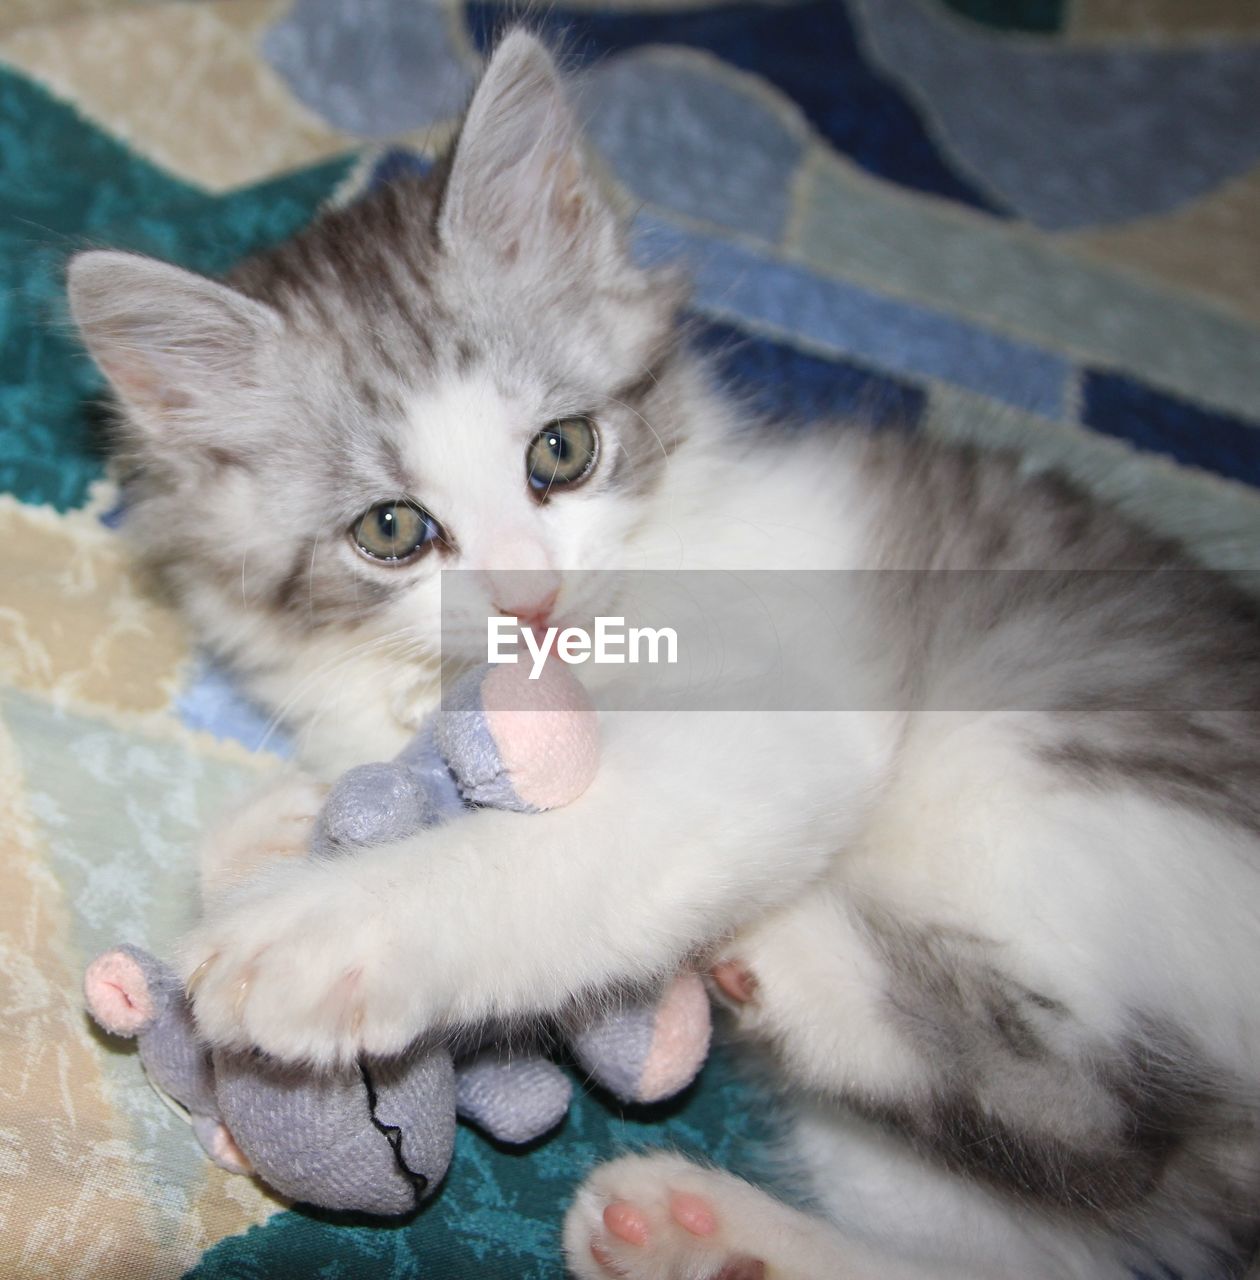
(387, 524)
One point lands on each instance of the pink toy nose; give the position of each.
(536, 614)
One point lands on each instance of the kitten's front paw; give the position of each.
(659, 1217)
(303, 965)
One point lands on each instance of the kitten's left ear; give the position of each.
(518, 187)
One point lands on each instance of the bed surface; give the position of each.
(1027, 223)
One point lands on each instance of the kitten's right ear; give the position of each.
(168, 341)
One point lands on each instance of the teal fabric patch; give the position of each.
(66, 185)
(1043, 16)
(499, 1214)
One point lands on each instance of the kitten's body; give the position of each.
(1005, 955)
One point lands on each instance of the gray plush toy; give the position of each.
(379, 1136)
(375, 1138)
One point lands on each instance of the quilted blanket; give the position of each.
(1026, 223)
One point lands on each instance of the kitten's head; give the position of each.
(460, 371)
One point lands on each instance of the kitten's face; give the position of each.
(461, 372)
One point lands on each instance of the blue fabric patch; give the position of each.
(114, 517)
(686, 139)
(1160, 423)
(211, 703)
(734, 282)
(370, 67)
(1074, 137)
(1043, 16)
(793, 386)
(396, 163)
(809, 51)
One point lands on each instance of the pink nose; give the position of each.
(535, 615)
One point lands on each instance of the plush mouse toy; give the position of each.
(379, 1136)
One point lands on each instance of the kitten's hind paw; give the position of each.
(659, 1217)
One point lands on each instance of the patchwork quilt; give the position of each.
(1031, 224)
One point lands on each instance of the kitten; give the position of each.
(1005, 960)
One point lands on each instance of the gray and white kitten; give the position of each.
(1006, 959)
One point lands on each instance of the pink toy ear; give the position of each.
(546, 732)
(118, 995)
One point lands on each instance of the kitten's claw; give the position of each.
(242, 993)
(198, 974)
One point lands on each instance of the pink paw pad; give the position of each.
(627, 1223)
(743, 1269)
(693, 1212)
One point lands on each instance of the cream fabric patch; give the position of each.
(184, 85)
(75, 624)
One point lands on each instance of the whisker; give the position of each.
(665, 452)
(325, 669)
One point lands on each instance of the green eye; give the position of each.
(395, 532)
(562, 453)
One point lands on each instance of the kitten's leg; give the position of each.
(679, 839)
(926, 1034)
(871, 1184)
(805, 980)
(660, 1217)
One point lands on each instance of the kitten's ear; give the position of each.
(168, 341)
(518, 186)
